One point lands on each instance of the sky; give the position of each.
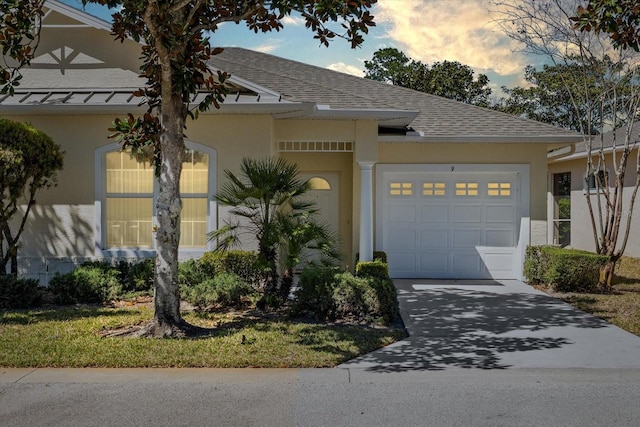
(425, 30)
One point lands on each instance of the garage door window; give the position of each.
(400, 188)
(499, 189)
(434, 189)
(466, 188)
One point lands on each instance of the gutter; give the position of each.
(479, 139)
(561, 153)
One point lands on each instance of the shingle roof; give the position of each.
(608, 138)
(304, 86)
(438, 118)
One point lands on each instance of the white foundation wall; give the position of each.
(538, 233)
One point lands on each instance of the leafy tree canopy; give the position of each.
(19, 37)
(567, 95)
(619, 18)
(449, 79)
(29, 162)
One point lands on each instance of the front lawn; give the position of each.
(72, 337)
(622, 307)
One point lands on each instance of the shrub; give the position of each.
(564, 270)
(226, 289)
(137, 276)
(377, 256)
(364, 299)
(315, 290)
(243, 263)
(330, 293)
(374, 269)
(533, 267)
(191, 273)
(91, 282)
(19, 293)
(570, 270)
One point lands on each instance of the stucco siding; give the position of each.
(581, 229)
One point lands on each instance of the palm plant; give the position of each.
(304, 239)
(267, 204)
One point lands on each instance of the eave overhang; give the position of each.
(388, 118)
(419, 137)
(583, 154)
(99, 101)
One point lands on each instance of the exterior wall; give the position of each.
(60, 230)
(535, 155)
(581, 229)
(364, 135)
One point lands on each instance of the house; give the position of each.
(447, 190)
(569, 217)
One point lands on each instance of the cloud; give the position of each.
(295, 21)
(454, 30)
(266, 48)
(346, 68)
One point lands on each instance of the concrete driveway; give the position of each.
(501, 324)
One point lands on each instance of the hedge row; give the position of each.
(329, 293)
(564, 270)
(220, 279)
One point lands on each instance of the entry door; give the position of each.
(325, 193)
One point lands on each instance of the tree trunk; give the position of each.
(607, 273)
(167, 320)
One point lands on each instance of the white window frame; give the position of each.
(586, 187)
(100, 249)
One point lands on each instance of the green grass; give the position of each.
(71, 337)
(622, 307)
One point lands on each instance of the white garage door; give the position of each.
(458, 222)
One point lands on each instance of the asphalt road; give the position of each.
(319, 397)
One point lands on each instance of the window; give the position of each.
(319, 184)
(562, 208)
(499, 189)
(129, 201)
(433, 189)
(400, 188)
(466, 188)
(194, 189)
(597, 180)
(126, 192)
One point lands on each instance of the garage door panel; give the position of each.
(466, 238)
(434, 213)
(500, 213)
(467, 213)
(497, 237)
(403, 262)
(499, 261)
(430, 239)
(434, 262)
(399, 214)
(467, 262)
(402, 238)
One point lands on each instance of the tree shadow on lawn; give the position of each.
(471, 329)
(37, 315)
(315, 335)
